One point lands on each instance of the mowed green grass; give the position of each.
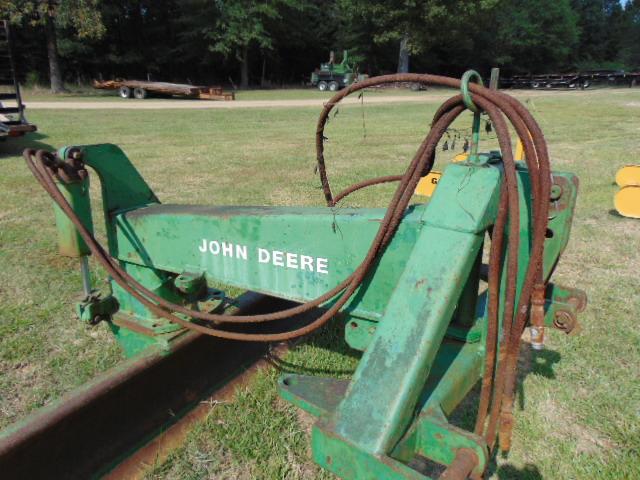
(579, 405)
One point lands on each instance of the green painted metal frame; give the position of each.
(420, 316)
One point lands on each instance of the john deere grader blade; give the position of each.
(89, 431)
(407, 281)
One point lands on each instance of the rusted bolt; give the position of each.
(564, 321)
(461, 466)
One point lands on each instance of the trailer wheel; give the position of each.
(322, 86)
(139, 93)
(124, 92)
(333, 86)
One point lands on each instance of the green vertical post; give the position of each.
(70, 243)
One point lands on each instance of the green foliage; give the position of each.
(83, 16)
(630, 42)
(424, 22)
(535, 35)
(206, 41)
(241, 23)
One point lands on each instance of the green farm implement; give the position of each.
(435, 295)
(333, 76)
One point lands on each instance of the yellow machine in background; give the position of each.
(627, 199)
(427, 185)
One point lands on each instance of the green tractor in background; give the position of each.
(333, 76)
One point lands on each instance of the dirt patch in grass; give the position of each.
(568, 428)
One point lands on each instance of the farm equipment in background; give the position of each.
(140, 90)
(407, 284)
(13, 122)
(333, 76)
(627, 199)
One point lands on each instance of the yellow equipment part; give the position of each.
(427, 185)
(628, 175)
(519, 156)
(627, 201)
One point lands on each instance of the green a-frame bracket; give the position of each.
(409, 377)
(418, 364)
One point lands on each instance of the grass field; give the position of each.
(581, 397)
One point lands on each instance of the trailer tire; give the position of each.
(322, 86)
(124, 92)
(333, 86)
(139, 93)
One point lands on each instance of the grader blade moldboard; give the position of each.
(91, 430)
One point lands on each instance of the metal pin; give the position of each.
(86, 275)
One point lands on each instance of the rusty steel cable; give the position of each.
(499, 377)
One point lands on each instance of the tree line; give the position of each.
(275, 42)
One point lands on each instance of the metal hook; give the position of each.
(466, 98)
(464, 89)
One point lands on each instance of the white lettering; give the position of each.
(263, 255)
(306, 261)
(227, 249)
(278, 258)
(241, 251)
(292, 260)
(322, 265)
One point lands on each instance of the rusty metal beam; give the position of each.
(88, 431)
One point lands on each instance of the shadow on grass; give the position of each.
(530, 361)
(614, 213)
(329, 338)
(509, 472)
(12, 147)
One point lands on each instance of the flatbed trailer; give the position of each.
(13, 122)
(141, 89)
(573, 80)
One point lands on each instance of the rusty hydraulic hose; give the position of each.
(498, 382)
(44, 164)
